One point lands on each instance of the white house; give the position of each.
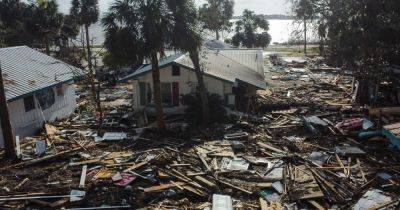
(234, 74)
(38, 89)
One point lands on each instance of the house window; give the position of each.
(46, 98)
(166, 95)
(29, 103)
(60, 91)
(176, 71)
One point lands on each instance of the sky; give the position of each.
(267, 7)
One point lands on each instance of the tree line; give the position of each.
(358, 35)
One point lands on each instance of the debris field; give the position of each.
(301, 145)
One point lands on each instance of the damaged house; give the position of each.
(234, 74)
(38, 89)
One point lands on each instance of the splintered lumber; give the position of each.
(205, 181)
(316, 205)
(263, 204)
(45, 158)
(257, 184)
(195, 174)
(208, 168)
(266, 146)
(163, 187)
(59, 202)
(136, 166)
(85, 162)
(195, 191)
(83, 177)
(234, 187)
(51, 130)
(22, 183)
(384, 111)
(176, 185)
(312, 196)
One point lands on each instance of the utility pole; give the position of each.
(8, 136)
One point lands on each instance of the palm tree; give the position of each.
(147, 23)
(46, 22)
(86, 13)
(186, 37)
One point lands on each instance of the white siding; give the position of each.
(28, 123)
(186, 78)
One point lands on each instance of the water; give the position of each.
(280, 31)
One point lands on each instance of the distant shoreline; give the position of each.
(271, 17)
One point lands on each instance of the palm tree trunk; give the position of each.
(305, 37)
(157, 92)
(95, 95)
(194, 56)
(217, 34)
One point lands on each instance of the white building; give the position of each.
(234, 74)
(38, 89)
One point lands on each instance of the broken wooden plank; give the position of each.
(257, 184)
(49, 157)
(22, 183)
(136, 166)
(206, 182)
(200, 155)
(263, 204)
(312, 196)
(85, 162)
(195, 174)
(195, 191)
(384, 111)
(266, 146)
(235, 187)
(59, 202)
(316, 205)
(83, 177)
(163, 187)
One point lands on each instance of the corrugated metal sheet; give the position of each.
(26, 70)
(252, 58)
(214, 64)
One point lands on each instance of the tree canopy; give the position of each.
(37, 24)
(216, 15)
(136, 29)
(86, 12)
(251, 31)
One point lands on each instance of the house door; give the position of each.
(175, 94)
